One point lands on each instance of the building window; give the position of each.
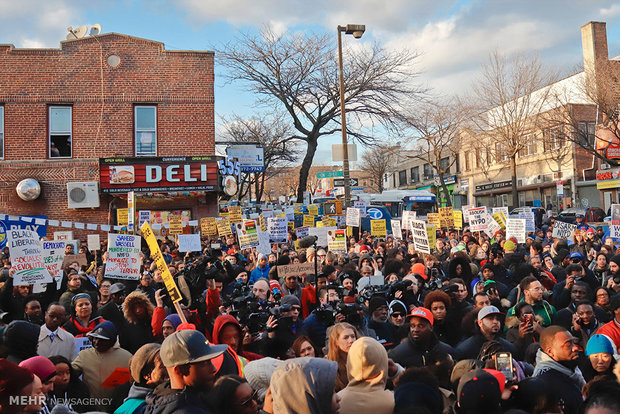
(1, 132)
(415, 174)
(444, 165)
(553, 138)
(478, 155)
(145, 121)
(402, 177)
(587, 133)
(529, 145)
(501, 155)
(466, 157)
(60, 131)
(428, 172)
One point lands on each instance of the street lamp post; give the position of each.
(357, 30)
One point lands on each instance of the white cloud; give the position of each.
(611, 11)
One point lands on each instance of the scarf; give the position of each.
(85, 329)
(545, 363)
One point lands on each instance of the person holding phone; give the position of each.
(523, 329)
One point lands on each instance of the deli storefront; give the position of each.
(186, 186)
(608, 183)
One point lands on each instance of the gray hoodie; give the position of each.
(304, 386)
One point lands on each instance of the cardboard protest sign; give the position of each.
(301, 232)
(446, 217)
(528, 216)
(176, 224)
(27, 257)
(235, 214)
(223, 226)
(353, 217)
(420, 236)
(123, 257)
(433, 218)
(144, 215)
(562, 230)
(516, 228)
(396, 230)
(361, 205)
(151, 240)
(94, 242)
(278, 229)
(264, 246)
(614, 231)
(431, 232)
(295, 269)
(208, 226)
(308, 221)
(53, 256)
(189, 243)
(313, 209)
(337, 240)
(404, 220)
(80, 259)
(378, 228)
(457, 216)
(478, 219)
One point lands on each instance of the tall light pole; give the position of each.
(357, 30)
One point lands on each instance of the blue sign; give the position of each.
(7, 225)
(421, 198)
(374, 213)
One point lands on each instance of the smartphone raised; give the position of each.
(503, 363)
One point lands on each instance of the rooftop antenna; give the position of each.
(78, 33)
(95, 29)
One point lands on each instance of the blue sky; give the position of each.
(453, 37)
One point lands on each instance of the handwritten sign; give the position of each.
(420, 236)
(407, 215)
(27, 257)
(396, 230)
(516, 228)
(431, 231)
(433, 218)
(176, 223)
(308, 221)
(223, 226)
(189, 243)
(123, 257)
(562, 230)
(81, 344)
(278, 229)
(457, 217)
(530, 224)
(353, 217)
(378, 228)
(295, 269)
(446, 217)
(144, 215)
(235, 214)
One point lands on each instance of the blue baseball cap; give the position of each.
(574, 255)
(105, 330)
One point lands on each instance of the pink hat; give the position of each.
(40, 366)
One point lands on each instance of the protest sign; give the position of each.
(264, 246)
(278, 229)
(53, 256)
(337, 240)
(121, 217)
(516, 228)
(131, 210)
(27, 257)
(433, 218)
(502, 210)
(94, 242)
(247, 234)
(378, 228)
(308, 221)
(341, 220)
(465, 209)
(404, 220)
(176, 224)
(81, 344)
(235, 214)
(295, 269)
(396, 230)
(63, 235)
(500, 219)
(431, 232)
(446, 217)
(528, 216)
(457, 216)
(144, 215)
(329, 222)
(268, 213)
(123, 257)
(420, 236)
(562, 230)
(223, 226)
(171, 285)
(321, 234)
(189, 243)
(615, 214)
(262, 223)
(478, 219)
(37, 224)
(313, 209)
(614, 231)
(289, 213)
(492, 226)
(208, 226)
(361, 205)
(301, 232)
(353, 217)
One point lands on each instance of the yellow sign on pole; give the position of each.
(223, 226)
(313, 209)
(446, 217)
(458, 219)
(262, 223)
(122, 218)
(433, 218)
(235, 214)
(431, 231)
(501, 219)
(308, 221)
(208, 226)
(176, 224)
(171, 286)
(378, 228)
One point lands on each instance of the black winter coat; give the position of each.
(414, 354)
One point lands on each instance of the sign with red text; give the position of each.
(123, 257)
(27, 257)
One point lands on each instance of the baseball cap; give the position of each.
(117, 287)
(421, 312)
(419, 269)
(479, 391)
(488, 310)
(105, 330)
(590, 230)
(188, 347)
(575, 255)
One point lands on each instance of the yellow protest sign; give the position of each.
(349, 231)
(329, 222)
(458, 219)
(433, 218)
(208, 226)
(320, 224)
(313, 209)
(378, 228)
(223, 226)
(151, 240)
(291, 225)
(122, 218)
(431, 230)
(501, 219)
(262, 223)
(176, 224)
(308, 221)
(235, 214)
(446, 217)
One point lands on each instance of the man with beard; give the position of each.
(490, 326)
(532, 291)
(421, 341)
(556, 364)
(378, 310)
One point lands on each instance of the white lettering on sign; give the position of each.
(154, 173)
(188, 175)
(170, 170)
(150, 170)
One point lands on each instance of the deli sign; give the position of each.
(158, 174)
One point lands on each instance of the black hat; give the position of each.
(376, 302)
(116, 288)
(479, 391)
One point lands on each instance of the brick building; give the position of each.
(115, 97)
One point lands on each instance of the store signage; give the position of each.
(613, 151)
(155, 174)
(493, 186)
(611, 174)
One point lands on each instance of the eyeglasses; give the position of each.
(249, 401)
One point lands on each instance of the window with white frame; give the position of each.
(60, 131)
(1, 132)
(587, 133)
(145, 121)
(553, 138)
(529, 145)
(501, 154)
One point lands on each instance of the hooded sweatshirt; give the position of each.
(219, 324)
(304, 386)
(367, 367)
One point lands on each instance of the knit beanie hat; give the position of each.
(290, 300)
(40, 366)
(509, 246)
(376, 302)
(258, 373)
(598, 344)
(13, 378)
(174, 319)
(615, 259)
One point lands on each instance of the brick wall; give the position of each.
(179, 83)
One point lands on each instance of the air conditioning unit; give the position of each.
(605, 166)
(83, 194)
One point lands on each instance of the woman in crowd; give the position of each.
(232, 394)
(302, 347)
(341, 337)
(439, 302)
(599, 358)
(579, 243)
(104, 293)
(600, 268)
(80, 322)
(602, 300)
(68, 390)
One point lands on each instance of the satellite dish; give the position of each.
(78, 33)
(95, 29)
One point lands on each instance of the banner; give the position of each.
(431, 232)
(34, 223)
(562, 230)
(420, 236)
(378, 228)
(353, 217)
(278, 229)
(337, 240)
(53, 256)
(27, 258)
(446, 217)
(171, 286)
(189, 243)
(123, 257)
(457, 216)
(295, 269)
(396, 230)
(478, 220)
(516, 228)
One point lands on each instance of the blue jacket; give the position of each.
(259, 272)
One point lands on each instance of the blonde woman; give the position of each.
(341, 337)
(579, 243)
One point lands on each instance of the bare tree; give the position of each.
(273, 134)
(299, 73)
(376, 161)
(512, 94)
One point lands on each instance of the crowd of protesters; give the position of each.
(481, 325)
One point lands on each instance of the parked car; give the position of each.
(590, 214)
